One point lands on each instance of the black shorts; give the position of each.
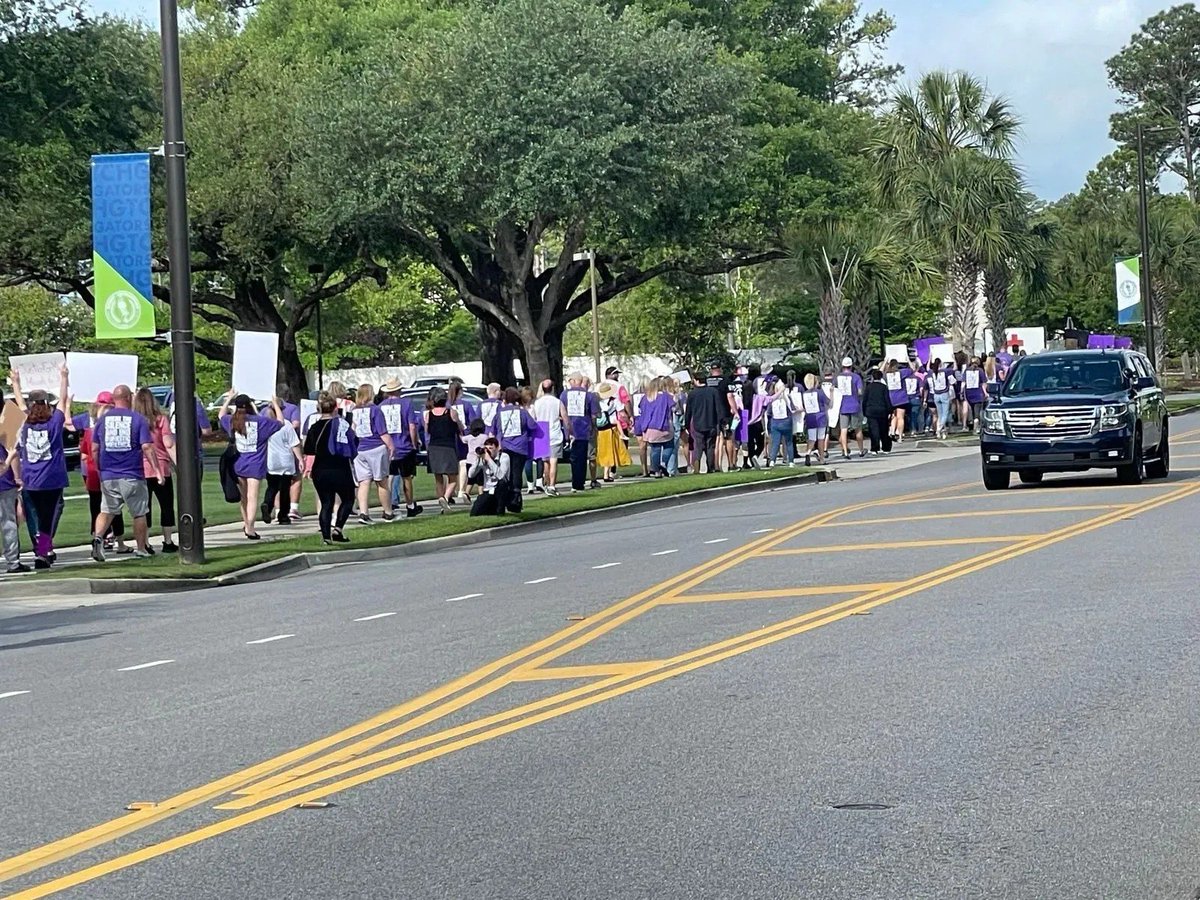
(405, 466)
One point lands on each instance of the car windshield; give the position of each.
(1100, 376)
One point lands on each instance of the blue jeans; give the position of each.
(781, 433)
(662, 458)
(916, 415)
(942, 402)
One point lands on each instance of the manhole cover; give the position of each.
(859, 807)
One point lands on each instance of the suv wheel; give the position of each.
(996, 479)
(1031, 477)
(1161, 467)
(1135, 471)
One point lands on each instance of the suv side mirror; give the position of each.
(1144, 383)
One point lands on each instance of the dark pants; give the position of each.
(117, 528)
(757, 439)
(45, 506)
(330, 489)
(878, 428)
(516, 465)
(579, 463)
(278, 486)
(164, 492)
(705, 444)
(496, 503)
(32, 521)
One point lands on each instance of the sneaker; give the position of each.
(531, 491)
(862, 454)
(388, 517)
(444, 504)
(595, 484)
(98, 550)
(266, 514)
(339, 538)
(53, 557)
(108, 543)
(413, 511)
(450, 501)
(874, 452)
(143, 554)
(463, 499)
(18, 569)
(364, 519)
(294, 516)
(169, 547)
(327, 542)
(41, 564)
(551, 492)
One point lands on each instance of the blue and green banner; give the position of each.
(1129, 290)
(121, 245)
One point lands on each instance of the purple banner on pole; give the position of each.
(1123, 343)
(1102, 341)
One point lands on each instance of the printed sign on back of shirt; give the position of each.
(576, 404)
(894, 381)
(37, 445)
(910, 384)
(362, 420)
(393, 418)
(510, 422)
(118, 436)
(248, 442)
(973, 379)
(845, 384)
(812, 403)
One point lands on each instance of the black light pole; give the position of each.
(882, 346)
(316, 271)
(1144, 228)
(183, 347)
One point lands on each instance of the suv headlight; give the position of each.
(993, 421)
(1112, 415)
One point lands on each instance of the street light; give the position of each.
(590, 256)
(183, 341)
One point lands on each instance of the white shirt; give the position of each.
(548, 409)
(280, 459)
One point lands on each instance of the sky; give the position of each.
(1046, 56)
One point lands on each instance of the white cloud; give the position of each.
(1046, 56)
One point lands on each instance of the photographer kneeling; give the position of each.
(490, 468)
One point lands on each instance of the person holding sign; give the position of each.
(582, 408)
(850, 386)
(893, 377)
(250, 433)
(126, 453)
(974, 394)
(401, 424)
(374, 454)
(938, 383)
(42, 463)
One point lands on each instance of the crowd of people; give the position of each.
(483, 455)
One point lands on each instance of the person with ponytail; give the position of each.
(250, 433)
(329, 449)
(42, 462)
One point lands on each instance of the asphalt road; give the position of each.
(1005, 681)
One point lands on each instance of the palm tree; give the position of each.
(1029, 265)
(939, 135)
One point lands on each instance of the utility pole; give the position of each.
(183, 341)
(1144, 229)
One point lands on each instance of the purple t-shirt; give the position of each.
(119, 435)
(816, 408)
(582, 409)
(291, 413)
(397, 416)
(251, 446)
(7, 482)
(202, 423)
(369, 424)
(82, 422)
(656, 413)
(515, 428)
(974, 381)
(938, 382)
(895, 385)
(851, 386)
(43, 466)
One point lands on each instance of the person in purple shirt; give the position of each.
(515, 428)
(974, 393)
(250, 433)
(816, 419)
(401, 424)
(658, 432)
(582, 409)
(42, 463)
(125, 453)
(10, 505)
(487, 409)
(850, 384)
(940, 387)
(374, 458)
(467, 413)
(893, 375)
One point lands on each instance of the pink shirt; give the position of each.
(159, 431)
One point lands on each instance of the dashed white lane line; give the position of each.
(664, 552)
(606, 565)
(717, 541)
(463, 597)
(8, 694)
(543, 580)
(149, 665)
(374, 617)
(763, 531)
(272, 639)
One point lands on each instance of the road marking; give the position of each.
(776, 593)
(606, 565)
(717, 541)
(983, 514)
(463, 597)
(902, 545)
(149, 665)
(763, 531)
(555, 673)
(272, 639)
(664, 552)
(8, 694)
(374, 617)
(543, 580)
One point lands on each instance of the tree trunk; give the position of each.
(858, 331)
(962, 286)
(498, 349)
(997, 281)
(831, 331)
(536, 359)
(1159, 296)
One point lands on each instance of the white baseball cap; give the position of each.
(847, 361)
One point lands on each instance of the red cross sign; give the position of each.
(1015, 343)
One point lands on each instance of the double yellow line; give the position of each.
(360, 762)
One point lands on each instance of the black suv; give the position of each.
(1074, 410)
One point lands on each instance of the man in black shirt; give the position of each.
(724, 387)
(703, 418)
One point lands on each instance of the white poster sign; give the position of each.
(255, 362)
(1031, 340)
(944, 352)
(308, 412)
(39, 371)
(683, 378)
(92, 373)
(898, 352)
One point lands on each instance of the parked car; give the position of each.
(1075, 410)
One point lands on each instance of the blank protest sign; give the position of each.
(91, 373)
(255, 359)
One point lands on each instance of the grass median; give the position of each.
(223, 560)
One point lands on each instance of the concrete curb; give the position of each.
(301, 562)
